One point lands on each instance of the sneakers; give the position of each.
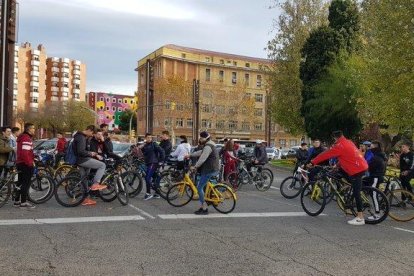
(356, 221)
(156, 196)
(374, 217)
(148, 196)
(88, 202)
(201, 211)
(27, 205)
(98, 187)
(16, 204)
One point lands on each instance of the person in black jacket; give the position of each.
(153, 156)
(312, 153)
(406, 166)
(301, 155)
(102, 146)
(165, 144)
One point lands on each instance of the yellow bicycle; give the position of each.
(220, 196)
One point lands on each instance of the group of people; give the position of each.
(366, 165)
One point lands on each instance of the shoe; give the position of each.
(16, 204)
(88, 202)
(148, 196)
(98, 187)
(374, 217)
(156, 196)
(201, 211)
(27, 205)
(356, 221)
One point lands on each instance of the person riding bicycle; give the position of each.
(183, 149)
(154, 156)
(301, 155)
(86, 160)
(208, 165)
(312, 153)
(100, 145)
(352, 163)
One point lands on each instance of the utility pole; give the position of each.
(196, 110)
(149, 118)
(8, 17)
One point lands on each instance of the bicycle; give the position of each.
(73, 189)
(220, 196)
(292, 186)
(261, 177)
(314, 197)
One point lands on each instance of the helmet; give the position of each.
(367, 143)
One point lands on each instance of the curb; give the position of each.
(281, 168)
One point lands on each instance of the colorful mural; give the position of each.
(110, 106)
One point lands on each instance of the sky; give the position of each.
(110, 36)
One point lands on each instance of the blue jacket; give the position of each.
(368, 156)
(153, 153)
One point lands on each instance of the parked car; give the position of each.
(45, 145)
(273, 153)
(121, 149)
(287, 153)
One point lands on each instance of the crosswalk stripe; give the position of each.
(234, 215)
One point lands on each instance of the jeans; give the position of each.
(23, 184)
(356, 181)
(204, 178)
(149, 175)
(96, 165)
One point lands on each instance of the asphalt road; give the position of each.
(265, 235)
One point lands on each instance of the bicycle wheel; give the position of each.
(70, 191)
(166, 182)
(233, 181)
(290, 187)
(342, 199)
(109, 194)
(61, 172)
(222, 198)
(401, 205)
(375, 205)
(265, 179)
(269, 172)
(122, 193)
(5, 191)
(180, 194)
(41, 188)
(133, 182)
(312, 198)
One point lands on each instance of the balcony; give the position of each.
(15, 92)
(34, 84)
(55, 94)
(14, 103)
(55, 89)
(77, 99)
(77, 62)
(55, 69)
(64, 70)
(15, 81)
(34, 73)
(76, 91)
(76, 81)
(36, 52)
(54, 99)
(55, 79)
(65, 60)
(76, 72)
(16, 70)
(55, 59)
(35, 63)
(34, 94)
(64, 79)
(64, 89)
(34, 105)
(64, 99)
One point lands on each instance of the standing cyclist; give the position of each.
(207, 165)
(352, 163)
(153, 156)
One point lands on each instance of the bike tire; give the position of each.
(401, 205)
(266, 179)
(134, 183)
(313, 193)
(62, 171)
(70, 187)
(222, 198)
(166, 182)
(37, 186)
(180, 194)
(290, 187)
(5, 192)
(233, 181)
(109, 194)
(122, 194)
(368, 194)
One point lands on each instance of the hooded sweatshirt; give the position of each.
(25, 150)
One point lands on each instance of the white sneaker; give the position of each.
(374, 217)
(357, 221)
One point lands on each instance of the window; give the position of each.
(282, 142)
(205, 123)
(15, 75)
(16, 53)
(66, 75)
(119, 100)
(107, 100)
(232, 111)
(220, 124)
(36, 57)
(34, 100)
(167, 121)
(179, 107)
(132, 101)
(113, 100)
(77, 77)
(101, 108)
(258, 112)
(248, 95)
(35, 89)
(247, 65)
(259, 81)
(293, 142)
(125, 101)
(232, 125)
(77, 86)
(208, 59)
(114, 108)
(220, 109)
(113, 117)
(55, 84)
(65, 65)
(258, 126)
(234, 63)
(55, 64)
(179, 122)
(15, 86)
(206, 108)
(56, 75)
(246, 79)
(221, 75)
(101, 99)
(258, 98)
(208, 74)
(245, 126)
(233, 77)
(119, 109)
(183, 55)
(229, 62)
(35, 78)
(76, 67)
(189, 122)
(167, 105)
(76, 96)
(35, 68)
(107, 108)
(65, 94)
(222, 61)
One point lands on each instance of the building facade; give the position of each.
(39, 79)
(109, 107)
(232, 89)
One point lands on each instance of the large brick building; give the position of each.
(232, 89)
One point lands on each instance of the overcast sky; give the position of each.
(110, 36)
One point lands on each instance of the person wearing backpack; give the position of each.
(86, 160)
(153, 156)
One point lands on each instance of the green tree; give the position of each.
(125, 118)
(298, 18)
(77, 116)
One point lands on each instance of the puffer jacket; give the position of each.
(5, 150)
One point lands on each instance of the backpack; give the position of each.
(70, 157)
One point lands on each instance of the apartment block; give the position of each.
(109, 107)
(232, 88)
(39, 79)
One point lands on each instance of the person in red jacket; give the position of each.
(352, 163)
(60, 148)
(24, 163)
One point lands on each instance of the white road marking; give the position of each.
(405, 230)
(141, 211)
(68, 220)
(274, 188)
(236, 215)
